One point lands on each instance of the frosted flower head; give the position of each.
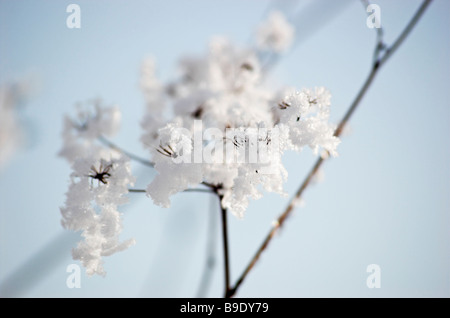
(231, 68)
(94, 120)
(294, 105)
(275, 34)
(80, 134)
(173, 161)
(98, 187)
(218, 102)
(99, 183)
(306, 114)
(216, 125)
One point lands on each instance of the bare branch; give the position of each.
(187, 190)
(379, 45)
(132, 156)
(412, 23)
(225, 249)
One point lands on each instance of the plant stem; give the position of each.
(225, 248)
(187, 190)
(132, 156)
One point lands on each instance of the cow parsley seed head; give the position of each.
(306, 114)
(230, 130)
(172, 158)
(80, 134)
(217, 124)
(99, 182)
(275, 34)
(98, 186)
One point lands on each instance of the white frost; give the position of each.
(224, 90)
(99, 183)
(275, 34)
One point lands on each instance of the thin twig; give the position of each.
(225, 248)
(132, 156)
(375, 68)
(137, 190)
(379, 44)
(186, 190)
(405, 32)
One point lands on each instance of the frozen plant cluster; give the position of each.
(200, 130)
(276, 34)
(99, 182)
(224, 91)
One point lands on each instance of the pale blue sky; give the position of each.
(384, 200)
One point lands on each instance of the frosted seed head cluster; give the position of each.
(222, 98)
(275, 34)
(99, 182)
(216, 124)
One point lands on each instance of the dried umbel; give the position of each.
(92, 207)
(217, 125)
(222, 97)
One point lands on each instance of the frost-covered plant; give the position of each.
(276, 34)
(225, 91)
(99, 182)
(217, 125)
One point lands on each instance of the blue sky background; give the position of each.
(384, 200)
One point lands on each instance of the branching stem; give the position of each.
(132, 156)
(226, 260)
